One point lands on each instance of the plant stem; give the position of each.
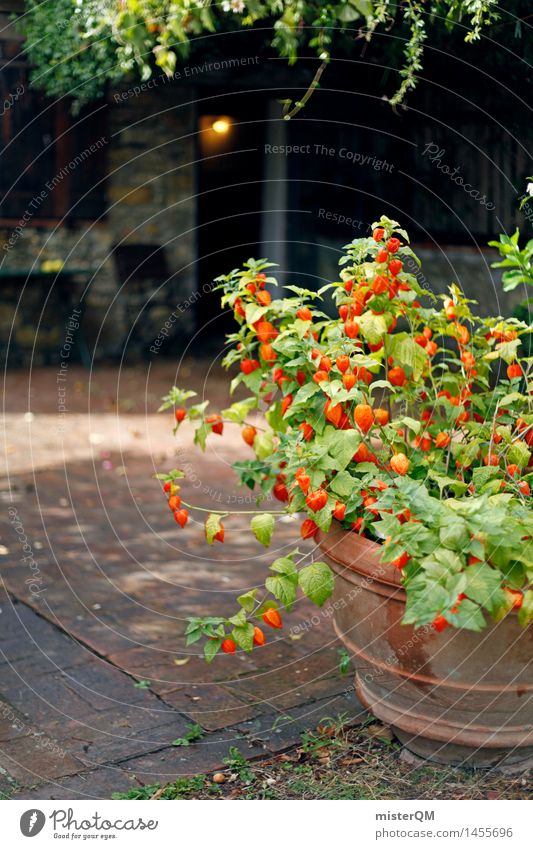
(301, 103)
(233, 512)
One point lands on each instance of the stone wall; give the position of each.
(149, 200)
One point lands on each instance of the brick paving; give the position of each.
(103, 605)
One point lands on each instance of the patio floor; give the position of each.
(97, 582)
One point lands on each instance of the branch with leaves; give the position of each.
(100, 41)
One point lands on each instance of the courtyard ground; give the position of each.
(97, 581)
(98, 694)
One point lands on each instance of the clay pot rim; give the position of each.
(390, 577)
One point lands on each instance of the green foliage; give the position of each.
(518, 263)
(426, 449)
(76, 47)
(71, 50)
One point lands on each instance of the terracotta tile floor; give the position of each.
(113, 581)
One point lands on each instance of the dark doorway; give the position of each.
(230, 153)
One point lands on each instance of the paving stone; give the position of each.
(281, 731)
(96, 784)
(211, 706)
(120, 581)
(29, 759)
(202, 757)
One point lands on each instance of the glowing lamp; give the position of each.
(220, 126)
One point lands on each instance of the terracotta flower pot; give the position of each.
(452, 697)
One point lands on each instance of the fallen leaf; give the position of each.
(382, 732)
(181, 661)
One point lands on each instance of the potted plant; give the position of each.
(401, 429)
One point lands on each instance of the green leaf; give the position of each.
(282, 588)
(239, 619)
(262, 526)
(275, 418)
(194, 732)
(244, 636)
(173, 475)
(254, 312)
(285, 565)
(344, 447)
(316, 582)
(446, 482)
(454, 534)
(483, 585)
(304, 394)
(519, 454)
(175, 398)
(211, 648)
(373, 327)
(201, 435)
(482, 474)
(406, 352)
(247, 600)
(212, 526)
(197, 410)
(342, 484)
(412, 424)
(525, 614)
(264, 444)
(468, 615)
(508, 350)
(238, 412)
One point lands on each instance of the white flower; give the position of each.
(529, 189)
(236, 6)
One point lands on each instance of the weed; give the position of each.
(194, 732)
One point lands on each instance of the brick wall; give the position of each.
(149, 199)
